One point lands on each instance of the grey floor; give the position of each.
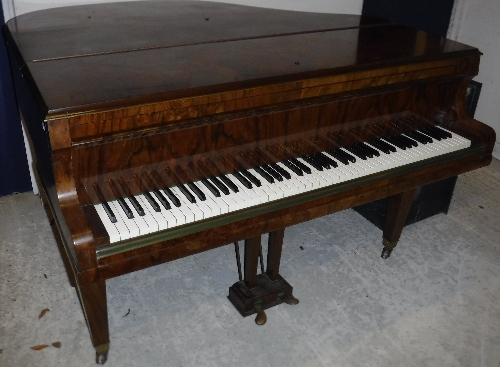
(435, 302)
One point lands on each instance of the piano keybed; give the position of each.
(165, 208)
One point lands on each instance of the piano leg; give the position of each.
(398, 207)
(95, 309)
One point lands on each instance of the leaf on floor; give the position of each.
(56, 344)
(39, 347)
(44, 311)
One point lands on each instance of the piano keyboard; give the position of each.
(160, 210)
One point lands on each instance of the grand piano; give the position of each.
(163, 129)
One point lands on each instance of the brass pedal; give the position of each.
(261, 315)
(289, 300)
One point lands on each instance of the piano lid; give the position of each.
(84, 57)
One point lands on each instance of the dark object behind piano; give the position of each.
(431, 199)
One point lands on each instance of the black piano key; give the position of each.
(422, 138)
(433, 134)
(109, 212)
(211, 188)
(440, 132)
(301, 165)
(293, 168)
(283, 172)
(197, 191)
(126, 208)
(272, 172)
(328, 159)
(370, 149)
(162, 199)
(313, 162)
(174, 199)
(410, 141)
(395, 142)
(137, 206)
(363, 149)
(397, 138)
(264, 174)
(243, 180)
(186, 193)
(350, 157)
(335, 153)
(220, 185)
(152, 202)
(251, 178)
(227, 181)
(376, 144)
(446, 133)
(356, 152)
(381, 143)
(324, 163)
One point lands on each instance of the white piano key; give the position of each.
(272, 193)
(126, 228)
(218, 205)
(192, 213)
(114, 235)
(323, 179)
(139, 220)
(206, 209)
(232, 204)
(348, 173)
(300, 183)
(252, 197)
(155, 220)
(180, 217)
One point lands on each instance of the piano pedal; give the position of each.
(289, 300)
(261, 315)
(266, 294)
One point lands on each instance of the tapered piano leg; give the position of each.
(94, 304)
(398, 207)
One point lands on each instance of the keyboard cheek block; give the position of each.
(204, 131)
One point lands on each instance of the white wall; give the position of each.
(18, 7)
(477, 23)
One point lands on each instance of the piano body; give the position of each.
(147, 117)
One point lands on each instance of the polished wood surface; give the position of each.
(100, 49)
(123, 98)
(274, 248)
(398, 207)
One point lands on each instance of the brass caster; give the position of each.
(101, 353)
(289, 300)
(101, 358)
(386, 253)
(261, 315)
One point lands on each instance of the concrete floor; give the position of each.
(435, 302)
